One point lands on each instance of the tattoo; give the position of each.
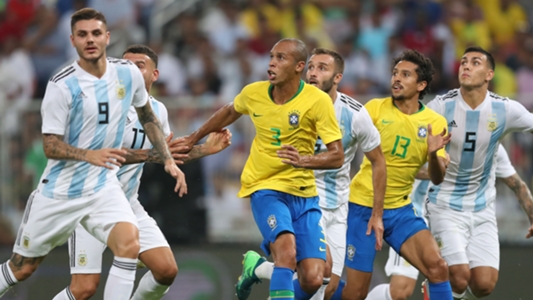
(154, 130)
(135, 156)
(522, 192)
(19, 261)
(55, 148)
(196, 152)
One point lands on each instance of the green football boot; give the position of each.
(250, 262)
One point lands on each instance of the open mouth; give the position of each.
(397, 87)
(313, 81)
(271, 75)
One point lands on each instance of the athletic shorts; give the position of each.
(335, 224)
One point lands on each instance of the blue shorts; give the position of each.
(399, 224)
(277, 212)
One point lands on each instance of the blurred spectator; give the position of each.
(470, 29)
(66, 30)
(524, 75)
(420, 36)
(257, 12)
(172, 73)
(504, 80)
(203, 64)
(504, 18)
(357, 66)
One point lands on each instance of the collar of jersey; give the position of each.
(422, 106)
(300, 88)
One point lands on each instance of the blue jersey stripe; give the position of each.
(419, 194)
(498, 109)
(75, 126)
(331, 188)
(133, 182)
(462, 180)
(449, 112)
(346, 125)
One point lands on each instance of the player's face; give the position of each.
(404, 83)
(145, 64)
(283, 65)
(321, 72)
(90, 38)
(474, 70)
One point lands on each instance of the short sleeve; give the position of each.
(140, 95)
(518, 117)
(365, 132)
(326, 121)
(163, 117)
(55, 109)
(239, 105)
(372, 107)
(504, 168)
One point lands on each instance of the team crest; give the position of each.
(121, 91)
(82, 260)
(272, 221)
(492, 123)
(350, 251)
(294, 118)
(422, 131)
(341, 126)
(439, 241)
(26, 242)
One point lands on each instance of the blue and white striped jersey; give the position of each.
(504, 168)
(333, 186)
(90, 113)
(134, 138)
(476, 133)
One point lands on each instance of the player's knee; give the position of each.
(355, 294)
(459, 280)
(286, 257)
(311, 282)
(84, 289)
(400, 293)
(483, 288)
(24, 272)
(438, 270)
(166, 275)
(327, 270)
(128, 248)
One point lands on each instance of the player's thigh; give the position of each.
(150, 235)
(360, 247)
(400, 225)
(336, 236)
(357, 284)
(308, 231)
(272, 216)
(451, 230)
(47, 223)
(397, 265)
(85, 252)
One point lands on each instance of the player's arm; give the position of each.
(379, 182)
(220, 119)
(523, 194)
(333, 158)
(437, 162)
(55, 148)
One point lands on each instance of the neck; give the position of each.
(474, 96)
(408, 106)
(96, 68)
(283, 92)
(333, 94)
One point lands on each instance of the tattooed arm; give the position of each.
(55, 148)
(522, 192)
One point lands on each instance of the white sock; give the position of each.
(469, 295)
(149, 288)
(380, 292)
(319, 295)
(65, 294)
(458, 296)
(121, 277)
(265, 270)
(7, 278)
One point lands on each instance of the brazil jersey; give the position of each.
(404, 145)
(298, 122)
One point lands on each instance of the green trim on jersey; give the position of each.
(421, 109)
(300, 88)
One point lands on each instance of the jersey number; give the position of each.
(103, 111)
(277, 132)
(470, 138)
(135, 132)
(403, 142)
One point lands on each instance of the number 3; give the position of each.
(276, 136)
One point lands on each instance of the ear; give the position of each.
(489, 76)
(337, 78)
(421, 86)
(155, 75)
(300, 66)
(72, 40)
(107, 36)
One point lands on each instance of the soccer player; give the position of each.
(324, 70)
(86, 252)
(84, 112)
(461, 210)
(288, 115)
(406, 127)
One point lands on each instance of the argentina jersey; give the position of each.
(418, 195)
(356, 126)
(135, 138)
(88, 113)
(476, 133)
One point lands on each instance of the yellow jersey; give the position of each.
(404, 145)
(298, 122)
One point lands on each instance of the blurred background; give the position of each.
(208, 50)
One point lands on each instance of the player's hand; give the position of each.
(437, 142)
(178, 149)
(376, 224)
(529, 232)
(174, 171)
(106, 157)
(218, 141)
(291, 155)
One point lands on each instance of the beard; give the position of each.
(327, 85)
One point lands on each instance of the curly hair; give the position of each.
(424, 70)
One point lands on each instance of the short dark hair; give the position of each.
(300, 53)
(86, 14)
(337, 58)
(490, 59)
(143, 49)
(424, 70)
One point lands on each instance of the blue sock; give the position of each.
(281, 286)
(440, 291)
(338, 293)
(299, 294)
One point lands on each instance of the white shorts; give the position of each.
(48, 223)
(466, 237)
(85, 251)
(397, 265)
(334, 222)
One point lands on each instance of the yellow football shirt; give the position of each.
(404, 145)
(298, 122)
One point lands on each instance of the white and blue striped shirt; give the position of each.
(135, 138)
(476, 133)
(90, 113)
(333, 186)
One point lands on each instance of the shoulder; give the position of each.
(64, 74)
(119, 61)
(377, 103)
(157, 103)
(433, 116)
(495, 97)
(449, 96)
(256, 87)
(353, 105)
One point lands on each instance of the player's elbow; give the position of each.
(436, 180)
(338, 159)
